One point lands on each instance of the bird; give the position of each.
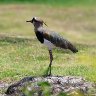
(50, 39)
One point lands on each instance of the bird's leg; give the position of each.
(51, 59)
(48, 71)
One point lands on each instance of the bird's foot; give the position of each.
(47, 75)
(47, 72)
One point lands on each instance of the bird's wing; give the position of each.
(57, 40)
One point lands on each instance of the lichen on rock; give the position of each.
(52, 86)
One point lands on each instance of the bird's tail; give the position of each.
(72, 48)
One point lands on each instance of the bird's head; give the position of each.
(37, 22)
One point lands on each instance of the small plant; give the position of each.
(62, 94)
(40, 88)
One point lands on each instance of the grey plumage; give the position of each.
(56, 39)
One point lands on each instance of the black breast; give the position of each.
(40, 37)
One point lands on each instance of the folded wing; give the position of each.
(58, 40)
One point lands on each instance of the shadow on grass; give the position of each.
(5, 40)
(23, 40)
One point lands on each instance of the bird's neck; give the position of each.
(36, 27)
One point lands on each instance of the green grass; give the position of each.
(22, 55)
(54, 2)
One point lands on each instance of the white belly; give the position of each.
(48, 44)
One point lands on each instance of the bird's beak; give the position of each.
(29, 21)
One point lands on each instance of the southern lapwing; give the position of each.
(50, 39)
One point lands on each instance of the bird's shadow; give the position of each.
(45, 73)
(14, 40)
(20, 40)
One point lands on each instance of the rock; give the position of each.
(54, 85)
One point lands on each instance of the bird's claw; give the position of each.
(47, 75)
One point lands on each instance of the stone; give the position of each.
(55, 85)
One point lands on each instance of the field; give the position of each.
(22, 55)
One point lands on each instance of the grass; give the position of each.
(22, 55)
(54, 2)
